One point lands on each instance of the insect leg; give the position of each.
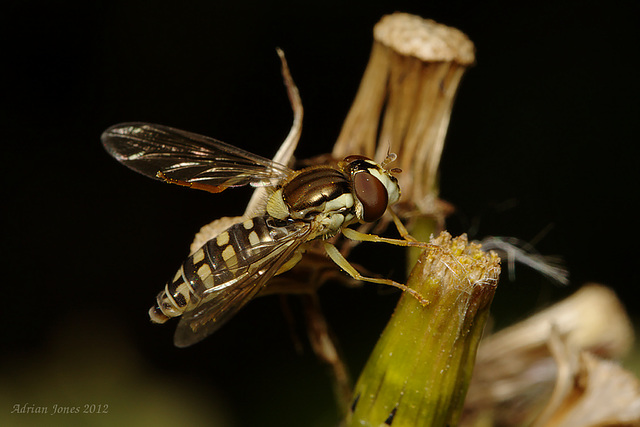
(362, 237)
(400, 226)
(342, 262)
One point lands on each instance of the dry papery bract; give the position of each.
(550, 369)
(589, 391)
(284, 155)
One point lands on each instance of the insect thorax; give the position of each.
(320, 195)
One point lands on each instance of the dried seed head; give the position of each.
(590, 391)
(517, 368)
(424, 39)
(404, 101)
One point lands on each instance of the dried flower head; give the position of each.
(404, 102)
(518, 368)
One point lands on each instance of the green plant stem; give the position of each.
(419, 371)
(422, 230)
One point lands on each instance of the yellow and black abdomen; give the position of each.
(219, 263)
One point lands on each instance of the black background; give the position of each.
(541, 146)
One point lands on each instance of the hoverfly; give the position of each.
(229, 270)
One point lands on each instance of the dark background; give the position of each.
(541, 146)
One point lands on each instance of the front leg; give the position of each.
(362, 237)
(342, 262)
(407, 239)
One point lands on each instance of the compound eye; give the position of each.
(372, 194)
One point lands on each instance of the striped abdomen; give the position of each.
(213, 267)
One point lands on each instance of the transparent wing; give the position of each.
(252, 269)
(188, 157)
